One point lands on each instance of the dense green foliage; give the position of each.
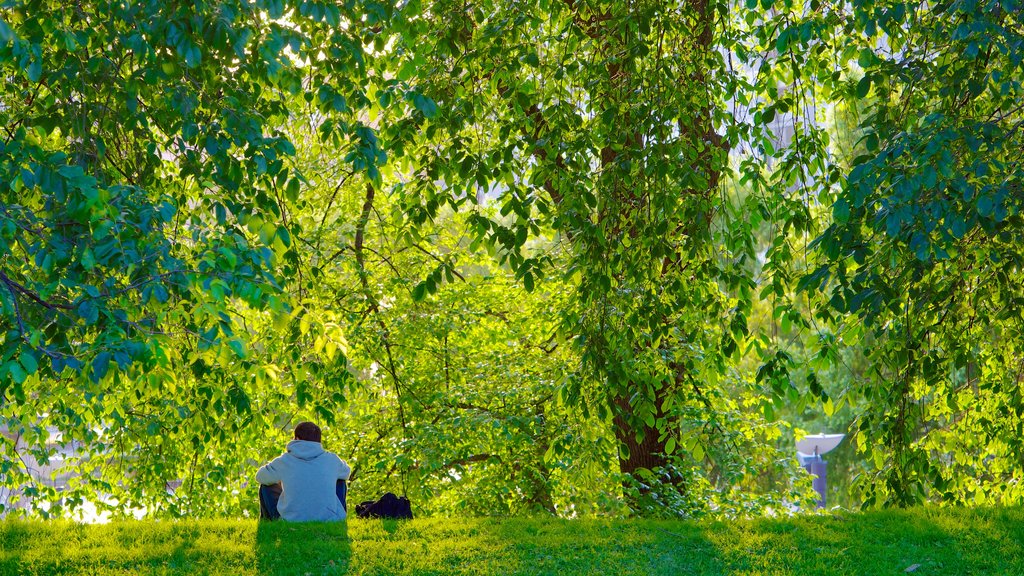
(919, 263)
(922, 541)
(575, 257)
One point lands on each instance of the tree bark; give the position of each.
(647, 453)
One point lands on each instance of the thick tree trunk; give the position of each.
(649, 452)
(642, 448)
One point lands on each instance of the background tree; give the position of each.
(922, 234)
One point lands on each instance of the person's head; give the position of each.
(307, 431)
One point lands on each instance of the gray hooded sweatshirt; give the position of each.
(308, 475)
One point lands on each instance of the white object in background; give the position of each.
(818, 444)
(810, 448)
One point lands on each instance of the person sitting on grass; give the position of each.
(306, 483)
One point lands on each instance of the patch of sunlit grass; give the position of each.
(927, 541)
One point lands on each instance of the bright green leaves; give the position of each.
(670, 445)
(557, 245)
(920, 227)
(130, 265)
(292, 190)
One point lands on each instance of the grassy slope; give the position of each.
(985, 541)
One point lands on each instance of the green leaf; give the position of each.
(871, 142)
(29, 362)
(6, 34)
(88, 259)
(292, 191)
(419, 292)
(89, 311)
(864, 86)
(35, 71)
(814, 386)
(957, 226)
(167, 211)
(17, 374)
(100, 366)
(425, 105)
(193, 55)
(782, 42)
(160, 293)
(237, 347)
(698, 452)
(841, 211)
(986, 205)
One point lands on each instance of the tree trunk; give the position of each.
(649, 452)
(541, 497)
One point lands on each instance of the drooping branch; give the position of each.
(14, 299)
(14, 285)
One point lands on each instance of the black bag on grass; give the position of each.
(389, 506)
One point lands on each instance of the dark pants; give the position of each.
(271, 493)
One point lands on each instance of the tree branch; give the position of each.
(435, 257)
(12, 284)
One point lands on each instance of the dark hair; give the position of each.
(307, 431)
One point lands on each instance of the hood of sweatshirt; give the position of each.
(304, 449)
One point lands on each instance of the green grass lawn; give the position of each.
(925, 541)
